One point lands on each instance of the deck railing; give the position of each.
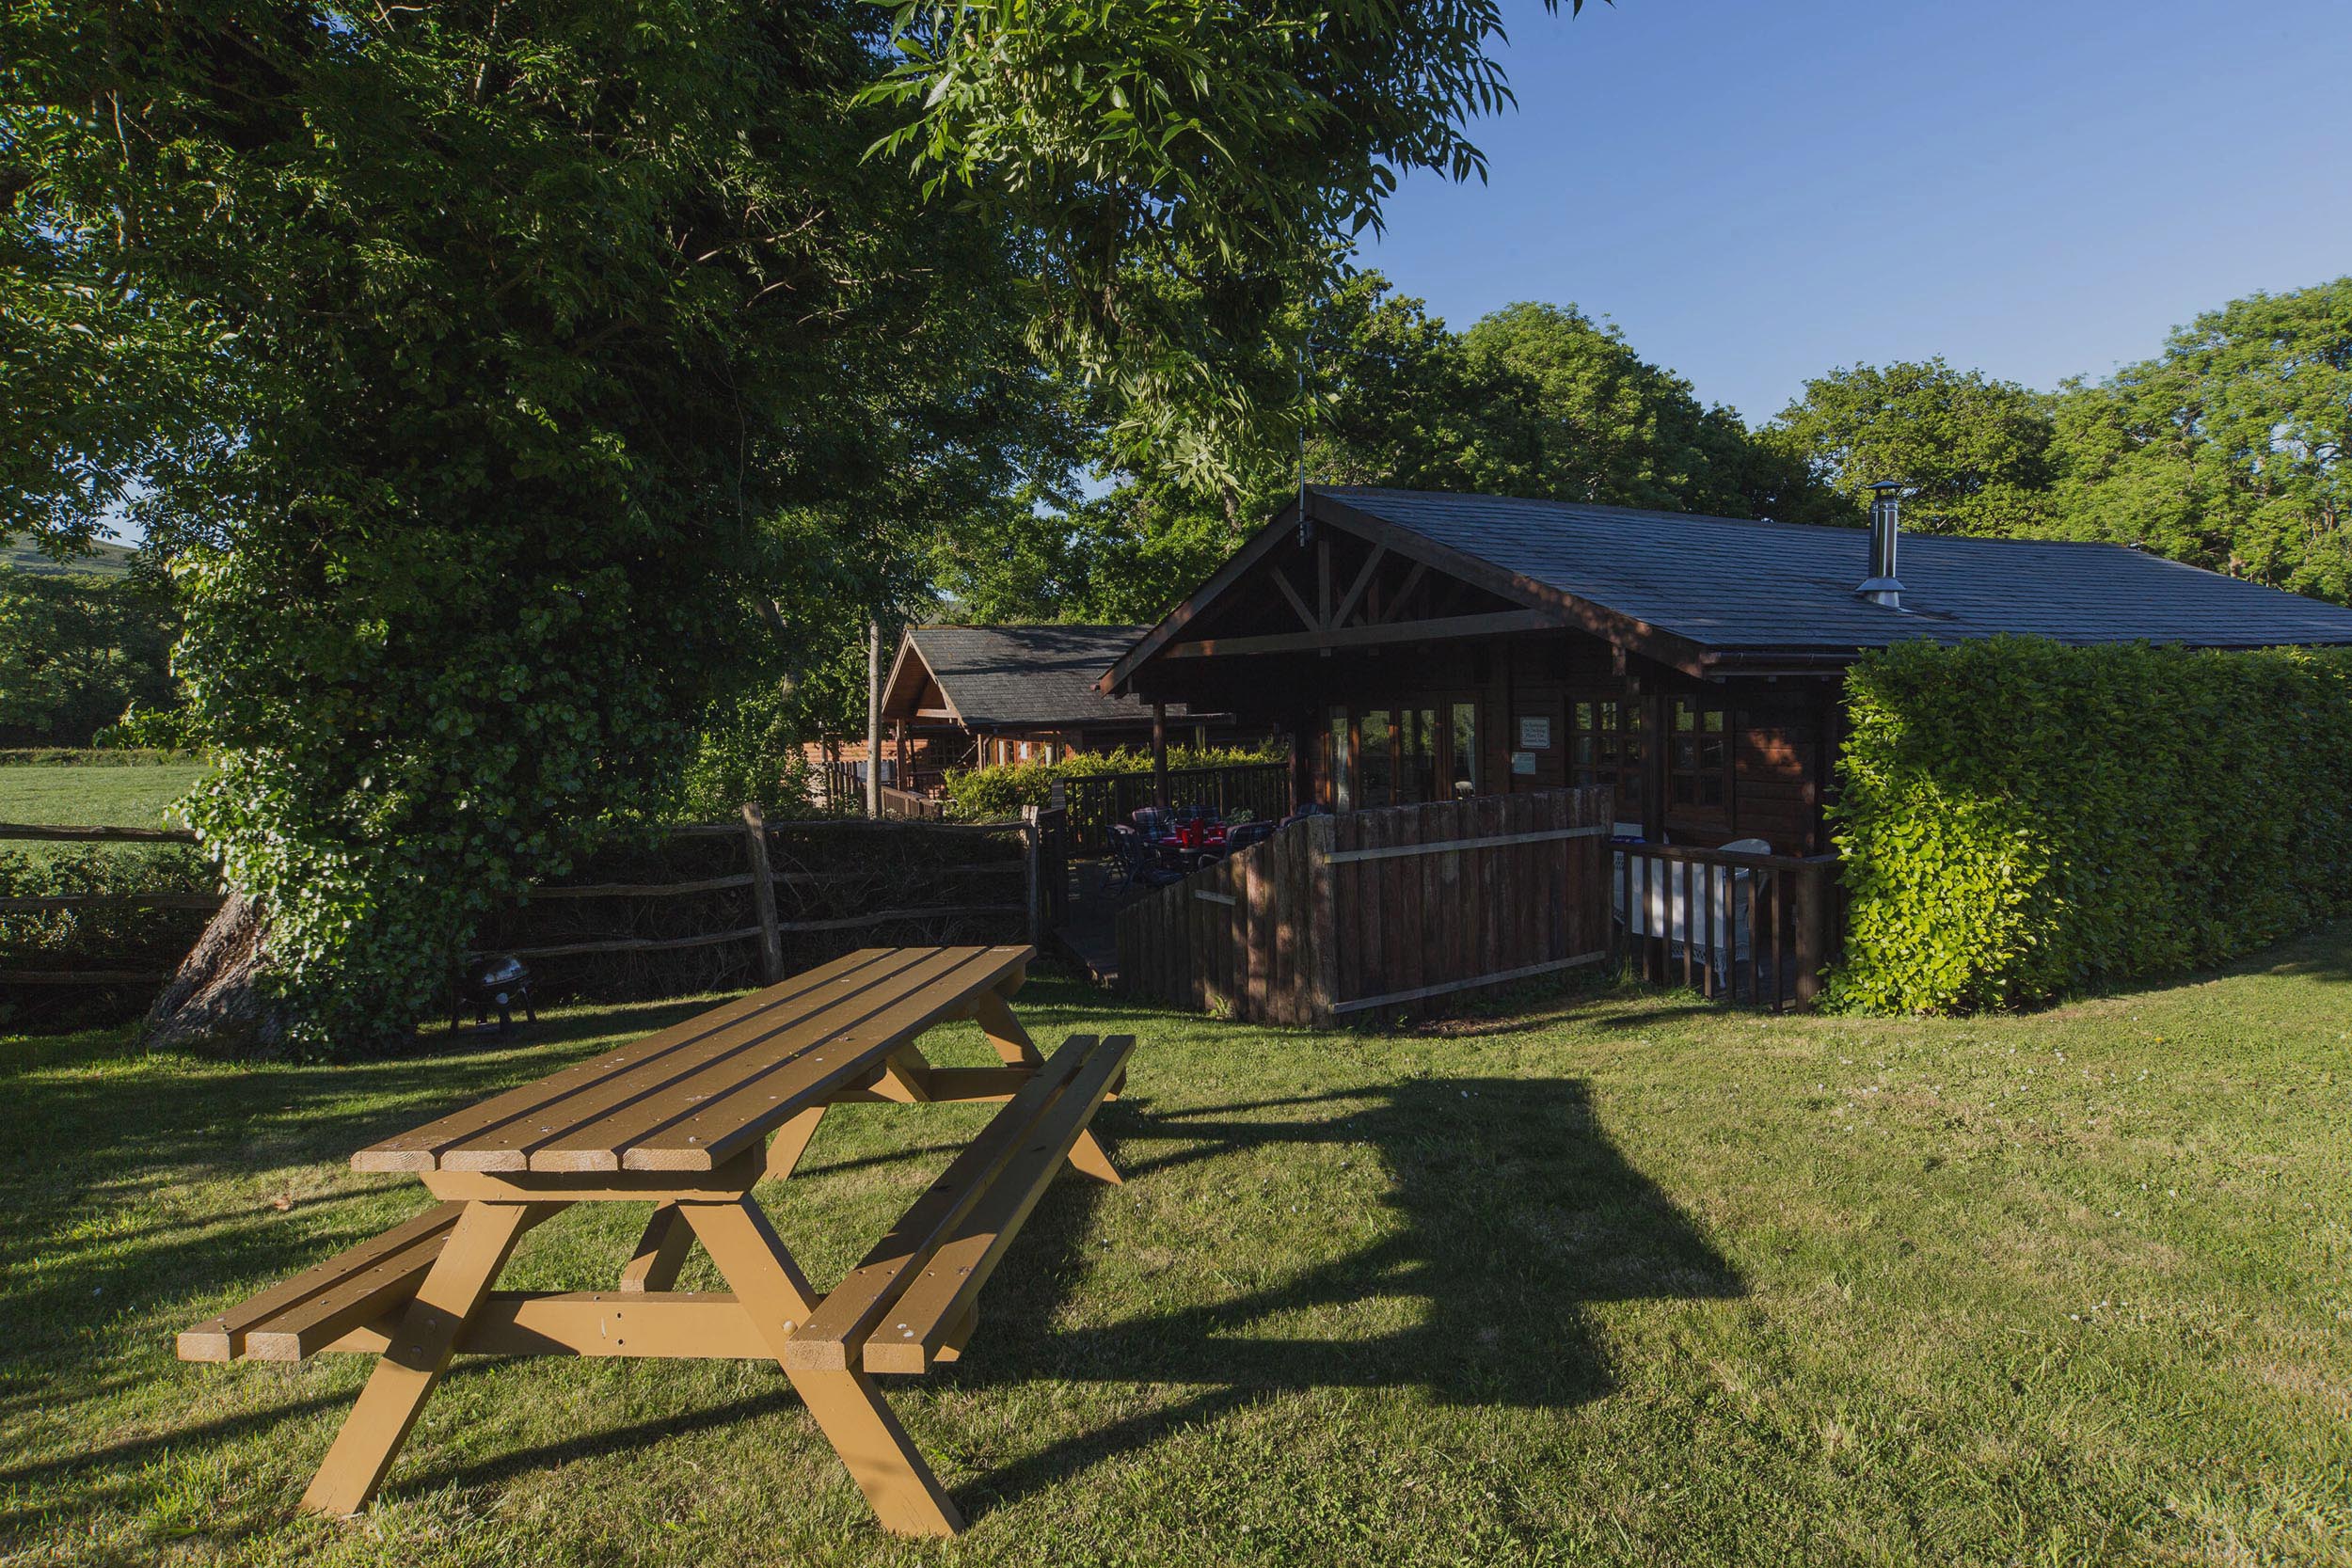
(1732, 926)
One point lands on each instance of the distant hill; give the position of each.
(104, 560)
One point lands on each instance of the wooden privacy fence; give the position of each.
(1380, 910)
(1096, 801)
(1733, 926)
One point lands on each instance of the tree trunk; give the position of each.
(214, 1004)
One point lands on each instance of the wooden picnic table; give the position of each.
(689, 1119)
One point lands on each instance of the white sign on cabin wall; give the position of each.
(1523, 763)
(1536, 734)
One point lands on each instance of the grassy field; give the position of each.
(103, 560)
(91, 796)
(1627, 1281)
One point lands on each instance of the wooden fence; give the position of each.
(800, 885)
(840, 786)
(111, 970)
(1735, 927)
(910, 806)
(1098, 801)
(1388, 910)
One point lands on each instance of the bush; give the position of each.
(995, 794)
(2020, 819)
(748, 750)
(148, 729)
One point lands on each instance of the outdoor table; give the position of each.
(684, 1119)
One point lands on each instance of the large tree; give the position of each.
(2233, 448)
(1977, 451)
(498, 374)
(524, 363)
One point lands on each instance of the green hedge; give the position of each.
(2020, 819)
(995, 794)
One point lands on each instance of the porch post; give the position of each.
(899, 729)
(1159, 755)
(873, 718)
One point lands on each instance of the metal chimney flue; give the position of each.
(1882, 586)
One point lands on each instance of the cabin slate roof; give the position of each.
(1022, 677)
(1736, 585)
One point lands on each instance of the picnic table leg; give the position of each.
(791, 1141)
(1013, 1044)
(661, 1250)
(419, 1352)
(848, 1409)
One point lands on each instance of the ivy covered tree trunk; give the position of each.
(219, 1003)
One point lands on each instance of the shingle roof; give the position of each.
(1018, 676)
(1732, 584)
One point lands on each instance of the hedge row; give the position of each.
(995, 793)
(2020, 819)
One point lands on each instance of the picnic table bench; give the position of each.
(689, 1119)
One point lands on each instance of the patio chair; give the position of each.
(1248, 834)
(1139, 861)
(1153, 821)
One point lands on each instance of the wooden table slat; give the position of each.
(418, 1149)
(724, 1054)
(599, 1142)
(727, 1124)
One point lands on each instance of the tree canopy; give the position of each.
(2227, 449)
(2231, 448)
(1977, 451)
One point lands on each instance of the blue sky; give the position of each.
(1758, 192)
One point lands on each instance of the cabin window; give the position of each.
(1605, 748)
(1376, 759)
(1337, 759)
(1418, 781)
(1700, 761)
(1465, 753)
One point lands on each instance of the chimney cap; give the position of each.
(1883, 486)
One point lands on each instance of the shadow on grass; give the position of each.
(1511, 1210)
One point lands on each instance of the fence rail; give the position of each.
(1379, 909)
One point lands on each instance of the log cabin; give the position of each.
(1420, 646)
(960, 696)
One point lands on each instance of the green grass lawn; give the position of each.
(93, 796)
(1627, 1281)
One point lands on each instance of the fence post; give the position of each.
(1812, 919)
(1322, 958)
(1033, 837)
(763, 895)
